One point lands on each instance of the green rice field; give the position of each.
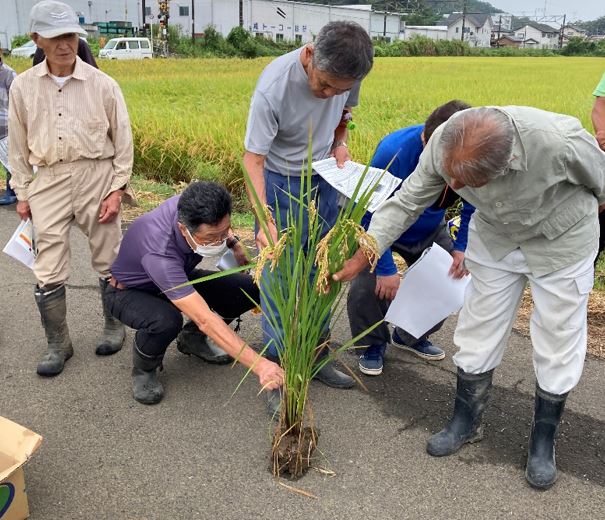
(189, 116)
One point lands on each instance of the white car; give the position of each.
(25, 51)
(127, 49)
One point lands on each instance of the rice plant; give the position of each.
(300, 298)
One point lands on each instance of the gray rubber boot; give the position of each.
(541, 470)
(472, 394)
(53, 310)
(273, 403)
(191, 341)
(146, 388)
(330, 376)
(114, 332)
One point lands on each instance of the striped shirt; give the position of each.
(7, 75)
(86, 118)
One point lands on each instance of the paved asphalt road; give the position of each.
(200, 454)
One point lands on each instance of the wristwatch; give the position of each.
(339, 143)
(232, 240)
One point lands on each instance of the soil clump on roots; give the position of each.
(293, 451)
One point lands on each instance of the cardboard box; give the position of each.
(17, 444)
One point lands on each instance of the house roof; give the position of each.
(511, 38)
(538, 26)
(478, 20)
(575, 28)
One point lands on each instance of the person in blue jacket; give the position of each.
(370, 294)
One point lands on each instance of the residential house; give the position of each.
(537, 35)
(477, 28)
(571, 31)
(507, 40)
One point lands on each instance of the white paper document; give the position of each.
(4, 152)
(427, 294)
(227, 261)
(21, 245)
(346, 179)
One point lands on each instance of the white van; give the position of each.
(127, 49)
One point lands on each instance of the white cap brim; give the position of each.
(53, 33)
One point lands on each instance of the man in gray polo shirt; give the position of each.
(313, 87)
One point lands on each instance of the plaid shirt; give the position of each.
(7, 75)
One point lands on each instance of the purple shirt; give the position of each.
(155, 255)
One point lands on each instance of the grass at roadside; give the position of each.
(150, 194)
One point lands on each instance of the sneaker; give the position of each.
(8, 199)
(371, 361)
(422, 348)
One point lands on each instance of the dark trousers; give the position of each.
(282, 193)
(364, 308)
(158, 321)
(601, 236)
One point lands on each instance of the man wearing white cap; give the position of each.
(70, 121)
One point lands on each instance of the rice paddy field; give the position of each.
(189, 116)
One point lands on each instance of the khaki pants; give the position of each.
(66, 193)
(558, 321)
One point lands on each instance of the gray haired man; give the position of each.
(536, 179)
(313, 87)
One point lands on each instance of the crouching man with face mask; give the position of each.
(159, 252)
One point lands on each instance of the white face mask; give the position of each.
(213, 250)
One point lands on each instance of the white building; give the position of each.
(14, 14)
(539, 35)
(284, 20)
(477, 28)
(434, 32)
(278, 20)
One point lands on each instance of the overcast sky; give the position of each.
(574, 9)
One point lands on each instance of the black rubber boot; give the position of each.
(330, 376)
(53, 310)
(472, 394)
(146, 388)
(114, 332)
(191, 341)
(541, 471)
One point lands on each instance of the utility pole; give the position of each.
(192, 21)
(463, 19)
(388, 5)
(499, 29)
(561, 33)
(144, 17)
(241, 13)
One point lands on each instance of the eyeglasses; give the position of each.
(211, 243)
